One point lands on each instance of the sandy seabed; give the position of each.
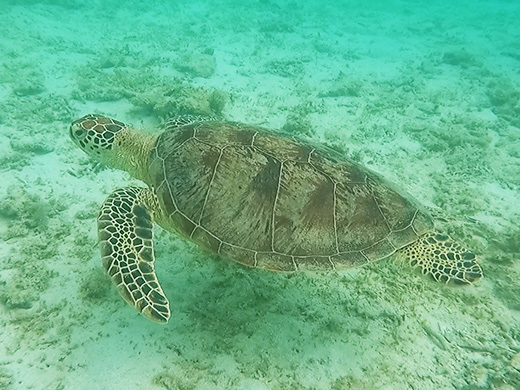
(427, 95)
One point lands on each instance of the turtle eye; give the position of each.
(80, 133)
(77, 132)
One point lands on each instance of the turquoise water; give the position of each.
(426, 93)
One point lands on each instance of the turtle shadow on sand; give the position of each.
(263, 320)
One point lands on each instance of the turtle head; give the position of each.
(113, 143)
(96, 134)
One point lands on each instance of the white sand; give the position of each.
(426, 95)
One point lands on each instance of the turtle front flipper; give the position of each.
(442, 258)
(125, 227)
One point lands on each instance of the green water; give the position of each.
(426, 93)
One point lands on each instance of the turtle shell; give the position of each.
(270, 201)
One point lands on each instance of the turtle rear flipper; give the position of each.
(442, 258)
(125, 228)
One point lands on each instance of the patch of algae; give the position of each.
(6, 378)
(28, 219)
(504, 251)
(29, 100)
(170, 381)
(14, 162)
(298, 120)
(461, 58)
(36, 263)
(343, 86)
(24, 76)
(95, 286)
(25, 142)
(25, 284)
(150, 92)
(41, 108)
(505, 100)
(26, 213)
(197, 64)
(298, 123)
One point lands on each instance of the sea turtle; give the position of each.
(261, 198)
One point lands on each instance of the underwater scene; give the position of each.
(424, 93)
